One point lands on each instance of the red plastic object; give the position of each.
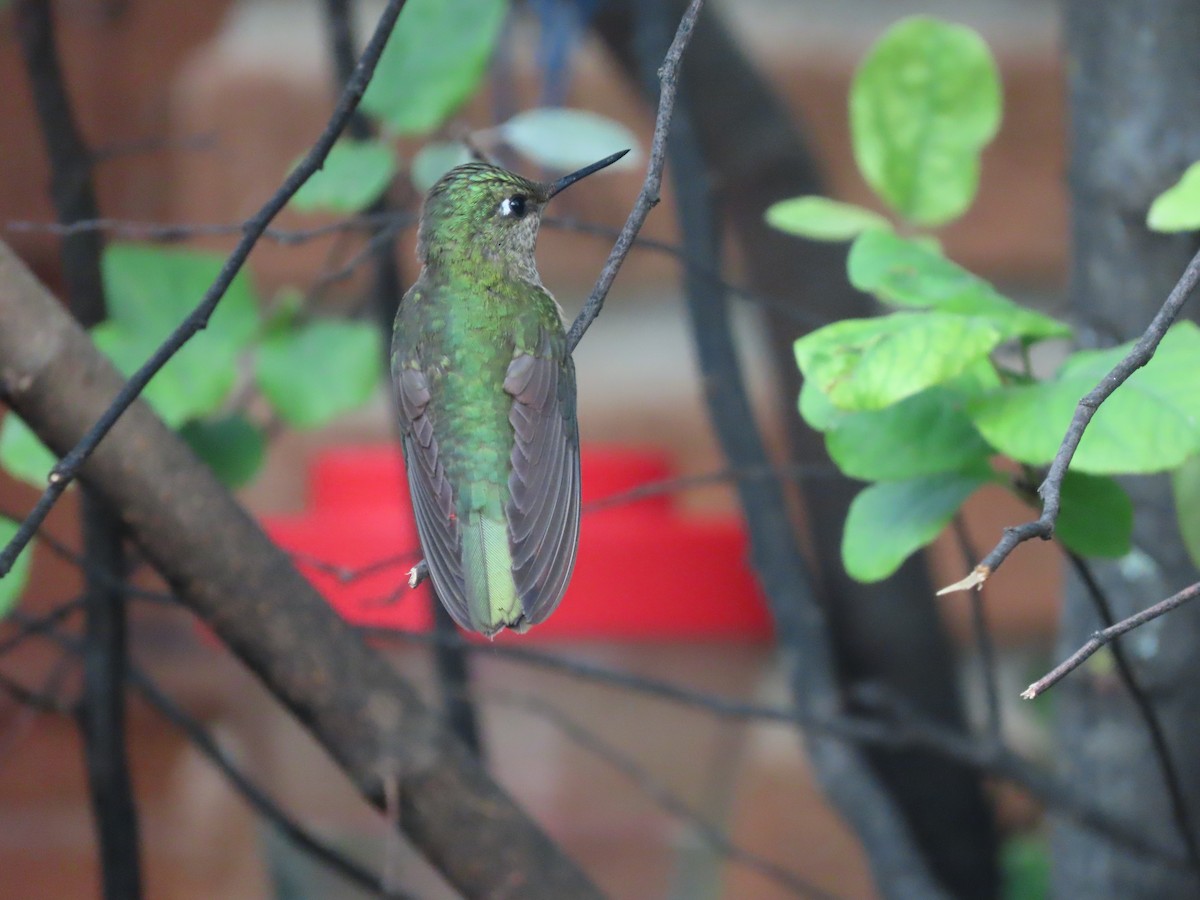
(644, 570)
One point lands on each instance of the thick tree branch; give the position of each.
(222, 566)
(84, 445)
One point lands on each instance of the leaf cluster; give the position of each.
(934, 398)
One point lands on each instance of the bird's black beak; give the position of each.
(567, 180)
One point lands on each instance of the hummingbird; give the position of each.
(485, 390)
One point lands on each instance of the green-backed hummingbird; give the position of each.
(485, 387)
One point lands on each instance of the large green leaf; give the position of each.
(907, 273)
(315, 372)
(12, 584)
(923, 435)
(864, 364)
(21, 453)
(1149, 424)
(150, 291)
(1185, 483)
(823, 219)
(193, 384)
(155, 288)
(231, 446)
(567, 139)
(1096, 516)
(1178, 207)
(923, 104)
(890, 520)
(354, 175)
(434, 61)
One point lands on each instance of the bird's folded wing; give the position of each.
(432, 496)
(543, 505)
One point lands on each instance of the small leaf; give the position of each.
(354, 175)
(923, 104)
(568, 139)
(1185, 483)
(1178, 207)
(872, 363)
(22, 454)
(823, 219)
(905, 273)
(928, 433)
(151, 291)
(319, 371)
(434, 62)
(435, 160)
(889, 521)
(1096, 516)
(1151, 423)
(12, 584)
(231, 446)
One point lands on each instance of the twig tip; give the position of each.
(975, 580)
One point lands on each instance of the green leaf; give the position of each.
(435, 160)
(905, 273)
(193, 384)
(150, 291)
(923, 104)
(318, 371)
(354, 175)
(822, 219)
(568, 139)
(1178, 207)
(155, 288)
(1096, 516)
(1025, 863)
(816, 408)
(1149, 424)
(434, 61)
(1185, 483)
(21, 453)
(928, 433)
(12, 584)
(231, 446)
(889, 521)
(866, 364)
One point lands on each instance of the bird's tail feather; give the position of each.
(488, 575)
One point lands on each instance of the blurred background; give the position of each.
(197, 110)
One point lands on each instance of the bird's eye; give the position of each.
(513, 207)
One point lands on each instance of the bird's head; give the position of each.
(482, 213)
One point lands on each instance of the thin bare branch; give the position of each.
(983, 638)
(660, 794)
(648, 196)
(1149, 716)
(1051, 489)
(1106, 636)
